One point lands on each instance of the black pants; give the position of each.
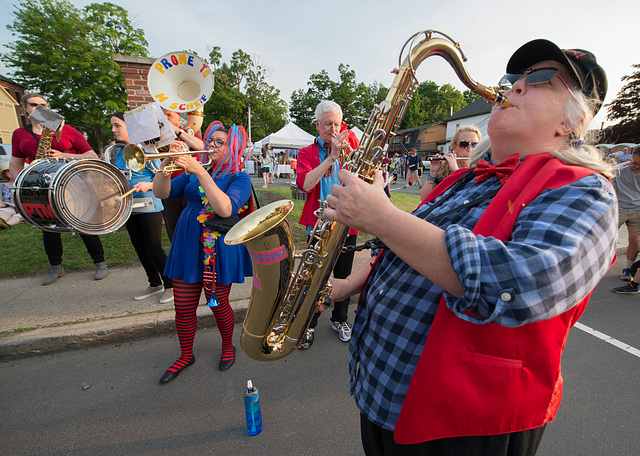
(145, 232)
(53, 247)
(379, 442)
(172, 209)
(341, 270)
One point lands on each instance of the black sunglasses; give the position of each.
(533, 77)
(466, 144)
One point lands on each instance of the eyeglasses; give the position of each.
(533, 77)
(330, 125)
(217, 142)
(466, 144)
(35, 105)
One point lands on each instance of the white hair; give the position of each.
(578, 149)
(328, 106)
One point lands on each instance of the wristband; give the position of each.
(430, 176)
(179, 133)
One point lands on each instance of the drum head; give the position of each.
(87, 197)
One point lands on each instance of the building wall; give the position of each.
(480, 122)
(135, 70)
(8, 116)
(12, 115)
(424, 139)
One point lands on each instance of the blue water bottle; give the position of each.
(252, 409)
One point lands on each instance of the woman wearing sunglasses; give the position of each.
(67, 143)
(462, 320)
(199, 258)
(462, 143)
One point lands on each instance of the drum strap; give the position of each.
(29, 128)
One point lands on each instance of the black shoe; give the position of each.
(226, 364)
(169, 375)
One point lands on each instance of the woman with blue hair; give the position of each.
(199, 258)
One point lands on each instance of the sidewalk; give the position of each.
(77, 312)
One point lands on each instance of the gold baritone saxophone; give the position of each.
(287, 285)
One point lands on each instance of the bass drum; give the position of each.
(73, 195)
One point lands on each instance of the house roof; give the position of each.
(10, 81)
(476, 108)
(420, 127)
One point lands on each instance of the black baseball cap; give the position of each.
(582, 64)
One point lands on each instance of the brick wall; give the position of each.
(135, 70)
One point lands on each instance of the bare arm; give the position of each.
(192, 141)
(15, 166)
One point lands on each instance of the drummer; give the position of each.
(68, 143)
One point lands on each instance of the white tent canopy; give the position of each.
(288, 137)
(357, 132)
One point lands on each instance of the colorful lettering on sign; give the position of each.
(256, 283)
(179, 59)
(270, 256)
(39, 210)
(189, 107)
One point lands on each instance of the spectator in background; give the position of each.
(625, 156)
(413, 163)
(627, 184)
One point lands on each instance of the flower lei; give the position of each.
(208, 240)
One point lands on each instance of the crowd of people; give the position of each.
(459, 354)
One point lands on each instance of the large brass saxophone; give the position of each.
(283, 300)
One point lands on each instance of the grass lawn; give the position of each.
(23, 253)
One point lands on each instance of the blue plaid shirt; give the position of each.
(562, 244)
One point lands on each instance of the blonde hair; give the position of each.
(578, 149)
(445, 169)
(459, 131)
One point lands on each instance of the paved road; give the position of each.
(306, 406)
(305, 400)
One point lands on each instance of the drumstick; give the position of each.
(121, 197)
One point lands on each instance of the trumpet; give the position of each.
(136, 159)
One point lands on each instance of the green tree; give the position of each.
(65, 53)
(355, 98)
(626, 109)
(240, 83)
(432, 103)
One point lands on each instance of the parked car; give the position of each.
(5, 157)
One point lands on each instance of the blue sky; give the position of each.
(295, 39)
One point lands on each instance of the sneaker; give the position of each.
(344, 330)
(167, 296)
(626, 275)
(308, 340)
(626, 289)
(150, 291)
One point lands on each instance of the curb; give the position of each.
(101, 332)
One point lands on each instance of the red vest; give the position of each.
(487, 379)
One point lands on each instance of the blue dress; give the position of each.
(186, 257)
